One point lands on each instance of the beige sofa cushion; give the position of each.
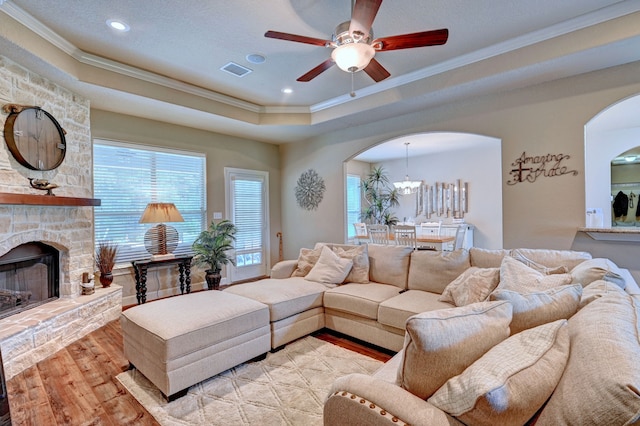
(330, 268)
(395, 311)
(516, 276)
(597, 269)
(487, 258)
(441, 344)
(360, 300)
(389, 264)
(284, 297)
(472, 286)
(360, 256)
(601, 382)
(533, 309)
(553, 258)
(509, 383)
(433, 270)
(306, 261)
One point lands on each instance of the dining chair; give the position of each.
(378, 234)
(461, 232)
(361, 229)
(405, 235)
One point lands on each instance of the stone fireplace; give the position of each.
(65, 228)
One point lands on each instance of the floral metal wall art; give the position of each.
(309, 190)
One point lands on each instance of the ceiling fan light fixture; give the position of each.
(353, 57)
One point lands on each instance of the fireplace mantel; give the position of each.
(46, 200)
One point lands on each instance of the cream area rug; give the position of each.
(289, 387)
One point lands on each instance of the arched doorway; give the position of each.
(445, 157)
(612, 132)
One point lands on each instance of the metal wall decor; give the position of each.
(445, 200)
(309, 190)
(527, 168)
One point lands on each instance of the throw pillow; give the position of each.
(533, 309)
(516, 276)
(510, 383)
(441, 344)
(360, 271)
(597, 269)
(306, 260)
(538, 266)
(330, 268)
(472, 286)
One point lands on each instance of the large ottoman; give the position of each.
(180, 341)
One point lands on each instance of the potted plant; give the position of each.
(381, 197)
(211, 249)
(105, 261)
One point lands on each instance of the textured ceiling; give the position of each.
(176, 49)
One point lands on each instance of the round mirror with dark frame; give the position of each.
(34, 137)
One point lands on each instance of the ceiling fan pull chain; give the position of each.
(353, 93)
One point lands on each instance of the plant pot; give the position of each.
(213, 279)
(106, 278)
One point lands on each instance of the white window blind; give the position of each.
(353, 204)
(127, 177)
(248, 216)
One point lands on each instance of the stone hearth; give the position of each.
(35, 334)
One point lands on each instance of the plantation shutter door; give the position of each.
(248, 204)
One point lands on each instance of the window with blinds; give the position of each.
(353, 204)
(127, 177)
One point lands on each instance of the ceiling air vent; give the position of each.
(235, 69)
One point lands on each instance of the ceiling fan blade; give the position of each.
(407, 41)
(376, 71)
(316, 71)
(364, 12)
(297, 38)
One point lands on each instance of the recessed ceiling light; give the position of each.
(118, 25)
(256, 58)
(287, 90)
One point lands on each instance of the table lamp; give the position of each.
(161, 240)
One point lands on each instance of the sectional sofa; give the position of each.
(392, 296)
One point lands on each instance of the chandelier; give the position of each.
(407, 186)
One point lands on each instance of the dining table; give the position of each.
(423, 241)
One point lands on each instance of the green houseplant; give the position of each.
(105, 261)
(211, 250)
(381, 197)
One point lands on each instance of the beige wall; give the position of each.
(221, 151)
(548, 118)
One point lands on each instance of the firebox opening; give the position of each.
(29, 277)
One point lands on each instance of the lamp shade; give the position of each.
(161, 213)
(352, 57)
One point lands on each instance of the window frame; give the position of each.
(195, 215)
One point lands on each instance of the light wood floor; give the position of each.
(78, 385)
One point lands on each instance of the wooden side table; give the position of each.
(140, 268)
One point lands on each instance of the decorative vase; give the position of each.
(106, 278)
(213, 279)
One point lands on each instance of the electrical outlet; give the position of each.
(217, 215)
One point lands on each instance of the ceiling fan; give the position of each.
(354, 47)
